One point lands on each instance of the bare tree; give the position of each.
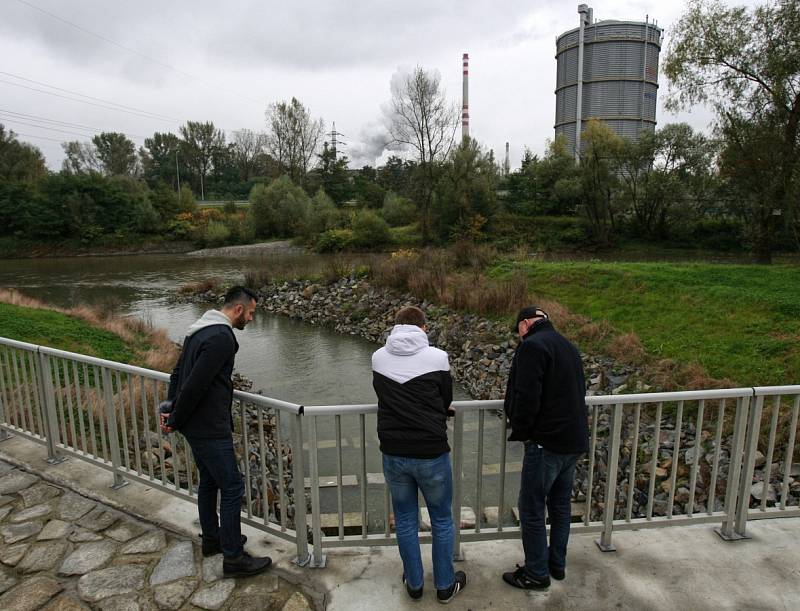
(421, 118)
(293, 137)
(248, 147)
(80, 158)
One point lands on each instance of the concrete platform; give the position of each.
(671, 568)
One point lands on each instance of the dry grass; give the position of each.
(203, 286)
(627, 349)
(152, 347)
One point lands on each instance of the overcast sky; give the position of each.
(206, 60)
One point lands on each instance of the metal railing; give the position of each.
(313, 473)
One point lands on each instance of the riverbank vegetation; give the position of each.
(732, 191)
(689, 325)
(85, 330)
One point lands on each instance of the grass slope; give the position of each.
(738, 321)
(57, 330)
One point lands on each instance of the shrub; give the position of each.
(229, 208)
(280, 210)
(398, 210)
(216, 233)
(335, 240)
(186, 201)
(370, 230)
(324, 214)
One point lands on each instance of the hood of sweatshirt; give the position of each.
(212, 317)
(405, 340)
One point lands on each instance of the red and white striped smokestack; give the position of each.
(465, 98)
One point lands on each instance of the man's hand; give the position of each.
(164, 427)
(451, 412)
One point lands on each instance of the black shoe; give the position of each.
(519, 579)
(415, 594)
(212, 546)
(245, 565)
(556, 573)
(448, 594)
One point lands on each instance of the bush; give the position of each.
(186, 201)
(280, 210)
(370, 230)
(229, 208)
(216, 233)
(324, 214)
(539, 231)
(335, 240)
(718, 234)
(406, 237)
(398, 210)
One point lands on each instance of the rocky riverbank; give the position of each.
(481, 351)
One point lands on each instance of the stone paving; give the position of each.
(62, 552)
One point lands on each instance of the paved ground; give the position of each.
(64, 551)
(674, 568)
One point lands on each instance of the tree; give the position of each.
(200, 142)
(466, 194)
(80, 158)
(248, 151)
(116, 153)
(746, 64)
(19, 161)
(664, 173)
(421, 118)
(331, 174)
(293, 137)
(160, 159)
(598, 179)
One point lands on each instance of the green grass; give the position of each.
(56, 330)
(738, 321)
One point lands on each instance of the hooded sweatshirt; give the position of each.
(200, 385)
(414, 388)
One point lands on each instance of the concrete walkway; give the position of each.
(671, 568)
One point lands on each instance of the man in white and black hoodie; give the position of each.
(415, 390)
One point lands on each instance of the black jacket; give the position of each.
(201, 386)
(414, 388)
(545, 397)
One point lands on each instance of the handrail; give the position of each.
(50, 396)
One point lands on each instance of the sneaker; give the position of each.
(520, 579)
(448, 594)
(415, 594)
(212, 546)
(556, 573)
(245, 565)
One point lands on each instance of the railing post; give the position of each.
(458, 452)
(47, 394)
(749, 462)
(5, 393)
(113, 434)
(298, 476)
(726, 531)
(604, 542)
(318, 559)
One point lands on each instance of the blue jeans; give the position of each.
(434, 477)
(546, 479)
(219, 473)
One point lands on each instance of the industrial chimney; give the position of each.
(465, 98)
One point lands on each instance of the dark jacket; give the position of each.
(414, 388)
(545, 397)
(200, 385)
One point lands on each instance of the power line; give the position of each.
(40, 137)
(20, 116)
(135, 52)
(90, 97)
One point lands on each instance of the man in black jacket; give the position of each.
(546, 409)
(201, 392)
(414, 387)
